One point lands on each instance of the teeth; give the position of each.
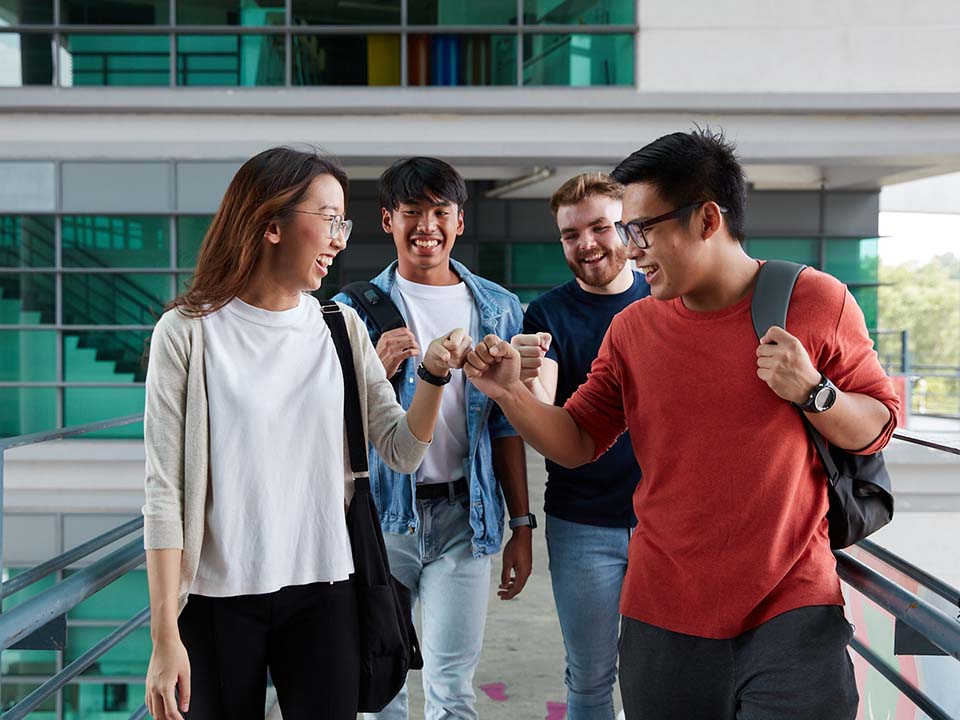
(325, 261)
(593, 258)
(647, 269)
(426, 243)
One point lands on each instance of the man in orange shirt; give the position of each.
(731, 603)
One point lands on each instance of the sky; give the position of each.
(906, 236)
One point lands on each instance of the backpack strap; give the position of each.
(376, 305)
(353, 418)
(771, 300)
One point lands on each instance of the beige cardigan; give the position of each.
(176, 433)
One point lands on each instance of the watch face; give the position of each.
(824, 399)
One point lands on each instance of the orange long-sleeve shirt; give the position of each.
(731, 510)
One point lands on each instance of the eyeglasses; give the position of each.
(635, 230)
(338, 223)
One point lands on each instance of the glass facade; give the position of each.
(244, 43)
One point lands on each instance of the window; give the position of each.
(230, 60)
(102, 60)
(27, 59)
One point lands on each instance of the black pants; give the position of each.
(793, 666)
(307, 635)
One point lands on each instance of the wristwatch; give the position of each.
(429, 377)
(821, 398)
(528, 519)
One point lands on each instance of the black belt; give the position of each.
(435, 491)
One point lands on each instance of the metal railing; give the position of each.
(927, 620)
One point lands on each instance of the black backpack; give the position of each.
(861, 495)
(381, 313)
(388, 639)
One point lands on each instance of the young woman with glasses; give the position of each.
(247, 480)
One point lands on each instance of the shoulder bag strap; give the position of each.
(771, 300)
(356, 440)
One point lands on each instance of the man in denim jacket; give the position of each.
(442, 523)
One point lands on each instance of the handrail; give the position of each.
(139, 713)
(33, 614)
(38, 437)
(916, 696)
(32, 701)
(929, 621)
(934, 584)
(41, 571)
(926, 443)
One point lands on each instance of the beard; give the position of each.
(604, 272)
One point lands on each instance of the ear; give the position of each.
(459, 222)
(386, 221)
(272, 233)
(712, 220)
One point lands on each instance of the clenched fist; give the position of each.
(532, 348)
(448, 352)
(784, 364)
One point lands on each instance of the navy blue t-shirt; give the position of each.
(601, 492)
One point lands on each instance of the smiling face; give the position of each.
(424, 233)
(676, 263)
(591, 246)
(303, 248)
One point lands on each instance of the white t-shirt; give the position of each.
(432, 311)
(275, 507)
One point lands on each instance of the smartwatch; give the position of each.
(528, 519)
(821, 398)
(429, 377)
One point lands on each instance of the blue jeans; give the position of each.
(587, 566)
(452, 588)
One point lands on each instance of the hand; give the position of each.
(532, 349)
(447, 353)
(395, 346)
(492, 366)
(517, 563)
(169, 670)
(783, 363)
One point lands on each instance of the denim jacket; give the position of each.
(499, 312)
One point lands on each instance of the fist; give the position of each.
(395, 346)
(532, 349)
(448, 352)
(784, 364)
(492, 366)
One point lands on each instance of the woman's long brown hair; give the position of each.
(265, 189)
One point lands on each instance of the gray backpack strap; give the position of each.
(771, 296)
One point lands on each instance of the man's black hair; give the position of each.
(420, 178)
(686, 167)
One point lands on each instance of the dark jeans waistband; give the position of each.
(437, 491)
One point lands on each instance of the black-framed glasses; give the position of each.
(338, 223)
(635, 230)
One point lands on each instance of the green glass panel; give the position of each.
(230, 60)
(337, 12)
(539, 264)
(852, 261)
(114, 298)
(132, 60)
(27, 59)
(190, 232)
(528, 295)
(129, 657)
(450, 60)
(867, 300)
(95, 701)
(116, 12)
(27, 241)
(231, 12)
(108, 356)
(28, 299)
(460, 12)
(578, 60)
(27, 356)
(115, 241)
(183, 283)
(370, 60)
(11, 693)
(28, 592)
(798, 250)
(27, 410)
(120, 600)
(87, 405)
(583, 12)
(492, 262)
(26, 12)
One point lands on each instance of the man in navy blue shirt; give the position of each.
(589, 512)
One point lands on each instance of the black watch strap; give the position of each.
(429, 377)
(529, 519)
